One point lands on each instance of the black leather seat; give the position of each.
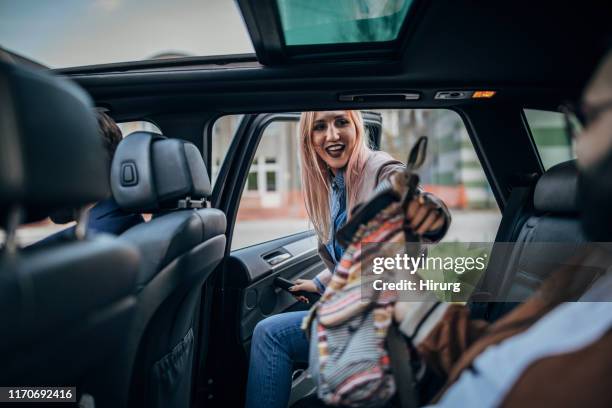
(549, 235)
(556, 221)
(64, 308)
(181, 246)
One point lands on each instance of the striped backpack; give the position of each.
(349, 325)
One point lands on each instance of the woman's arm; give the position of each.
(421, 208)
(429, 200)
(321, 280)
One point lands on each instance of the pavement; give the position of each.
(466, 226)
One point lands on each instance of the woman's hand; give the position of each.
(424, 215)
(307, 285)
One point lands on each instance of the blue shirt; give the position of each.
(338, 215)
(337, 210)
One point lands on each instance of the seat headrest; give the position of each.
(51, 152)
(150, 173)
(557, 188)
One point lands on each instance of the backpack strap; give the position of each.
(401, 367)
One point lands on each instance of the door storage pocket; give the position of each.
(171, 375)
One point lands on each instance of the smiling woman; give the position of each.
(70, 33)
(333, 138)
(330, 142)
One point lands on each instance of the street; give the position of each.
(466, 226)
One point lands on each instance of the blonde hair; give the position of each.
(315, 175)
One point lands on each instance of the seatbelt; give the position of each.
(401, 367)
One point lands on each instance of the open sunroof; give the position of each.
(311, 22)
(285, 31)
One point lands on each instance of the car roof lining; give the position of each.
(531, 53)
(490, 36)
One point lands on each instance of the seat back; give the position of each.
(65, 307)
(556, 220)
(181, 245)
(551, 216)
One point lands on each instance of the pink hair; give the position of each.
(315, 175)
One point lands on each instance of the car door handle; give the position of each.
(276, 257)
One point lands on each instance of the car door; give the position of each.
(258, 187)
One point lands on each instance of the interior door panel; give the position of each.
(260, 297)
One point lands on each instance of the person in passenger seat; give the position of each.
(549, 351)
(338, 171)
(104, 216)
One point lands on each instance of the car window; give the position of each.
(76, 33)
(27, 234)
(550, 136)
(272, 204)
(452, 170)
(223, 133)
(137, 126)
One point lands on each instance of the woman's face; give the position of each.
(333, 137)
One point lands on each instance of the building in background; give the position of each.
(273, 188)
(452, 170)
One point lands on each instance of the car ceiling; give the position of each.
(536, 54)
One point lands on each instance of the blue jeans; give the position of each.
(278, 342)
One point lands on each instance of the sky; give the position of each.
(65, 33)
